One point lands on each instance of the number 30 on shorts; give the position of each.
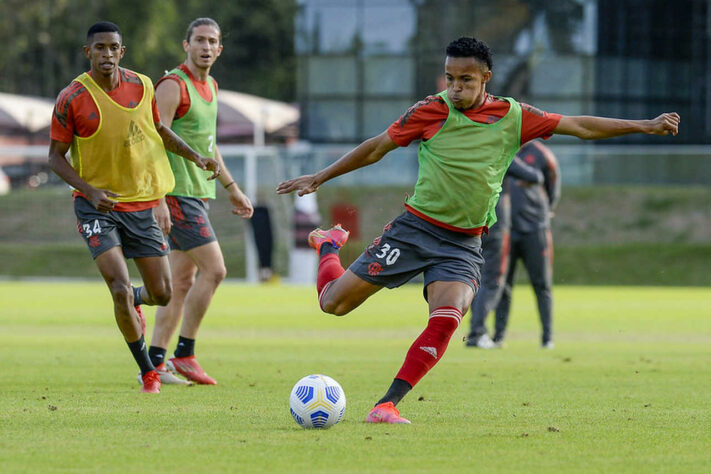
(390, 255)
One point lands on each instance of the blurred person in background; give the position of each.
(119, 170)
(532, 240)
(496, 247)
(468, 139)
(187, 101)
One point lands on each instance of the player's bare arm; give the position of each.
(99, 198)
(242, 206)
(591, 128)
(369, 152)
(175, 144)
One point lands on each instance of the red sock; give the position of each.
(429, 348)
(329, 268)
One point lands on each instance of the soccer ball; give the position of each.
(317, 401)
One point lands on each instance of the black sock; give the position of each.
(326, 248)
(137, 298)
(138, 349)
(157, 355)
(186, 347)
(396, 392)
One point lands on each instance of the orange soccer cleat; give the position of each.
(189, 368)
(336, 236)
(151, 382)
(385, 413)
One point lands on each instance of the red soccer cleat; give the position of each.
(151, 382)
(385, 413)
(336, 236)
(142, 319)
(189, 368)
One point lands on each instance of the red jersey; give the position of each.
(424, 119)
(76, 113)
(202, 87)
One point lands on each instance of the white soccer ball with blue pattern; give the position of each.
(317, 401)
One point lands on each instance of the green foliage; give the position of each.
(42, 41)
(625, 390)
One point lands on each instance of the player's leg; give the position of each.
(114, 270)
(451, 262)
(339, 291)
(211, 271)
(495, 251)
(502, 309)
(182, 270)
(167, 317)
(448, 300)
(538, 256)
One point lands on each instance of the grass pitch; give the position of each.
(625, 390)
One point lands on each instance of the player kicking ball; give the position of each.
(468, 138)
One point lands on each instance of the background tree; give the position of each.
(42, 41)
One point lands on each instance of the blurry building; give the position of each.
(363, 62)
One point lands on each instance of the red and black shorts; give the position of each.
(191, 226)
(136, 232)
(410, 245)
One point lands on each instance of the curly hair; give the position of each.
(466, 47)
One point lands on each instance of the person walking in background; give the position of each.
(108, 118)
(187, 101)
(495, 247)
(532, 207)
(468, 139)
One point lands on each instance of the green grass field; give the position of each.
(626, 389)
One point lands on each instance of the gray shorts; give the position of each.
(137, 233)
(191, 226)
(410, 246)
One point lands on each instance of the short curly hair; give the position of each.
(466, 47)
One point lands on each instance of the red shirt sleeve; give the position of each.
(536, 123)
(63, 127)
(154, 107)
(421, 121)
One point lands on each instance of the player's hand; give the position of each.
(242, 204)
(665, 124)
(209, 164)
(162, 217)
(306, 184)
(100, 199)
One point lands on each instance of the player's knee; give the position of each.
(217, 274)
(335, 307)
(121, 291)
(162, 294)
(182, 284)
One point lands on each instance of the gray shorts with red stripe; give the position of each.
(410, 245)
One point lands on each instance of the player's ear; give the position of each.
(123, 51)
(487, 76)
(186, 46)
(87, 51)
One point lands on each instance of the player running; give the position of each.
(187, 101)
(467, 141)
(108, 118)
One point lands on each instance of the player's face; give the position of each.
(204, 47)
(104, 53)
(466, 81)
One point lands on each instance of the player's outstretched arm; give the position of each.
(100, 198)
(367, 153)
(590, 128)
(175, 144)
